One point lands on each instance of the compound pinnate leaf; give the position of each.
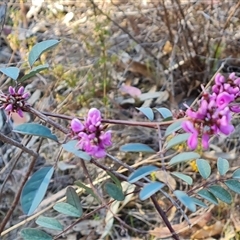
(67, 209)
(184, 177)
(34, 71)
(149, 189)
(71, 147)
(114, 191)
(180, 138)
(198, 202)
(11, 72)
(233, 184)
(236, 173)
(222, 166)
(49, 222)
(34, 234)
(73, 199)
(174, 127)
(35, 188)
(221, 193)
(208, 196)
(185, 200)
(183, 157)
(148, 112)
(203, 168)
(166, 113)
(141, 173)
(136, 147)
(35, 129)
(39, 49)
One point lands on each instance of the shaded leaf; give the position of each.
(73, 199)
(203, 168)
(136, 147)
(149, 189)
(233, 184)
(34, 234)
(39, 49)
(35, 188)
(49, 222)
(221, 193)
(208, 196)
(148, 112)
(115, 179)
(222, 166)
(11, 72)
(34, 71)
(166, 113)
(177, 140)
(114, 191)
(182, 157)
(236, 173)
(141, 173)
(198, 202)
(35, 129)
(71, 147)
(185, 200)
(174, 127)
(184, 177)
(67, 209)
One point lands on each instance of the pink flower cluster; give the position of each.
(214, 113)
(92, 138)
(14, 101)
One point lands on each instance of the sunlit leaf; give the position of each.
(184, 177)
(183, 157)
(176, 140)
(149, 189)
(166, 113)
(141, 173)
(185, 200)
(67, 209)
(223, 166)
(233, 184)
(71, 147)
(203, 168)
(174, 127)
(39, 49)
(34, 234)
(34, 71)
(73, 199)
(49, 222)
(35, 188)
(221, 193)
(236, 174)
(114, 191)
(11, 72)
(136, 147)
(198, 202)
(208, 196)
(35, 129)
(148, 112)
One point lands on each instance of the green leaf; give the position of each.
(49, 222)
(183, 157)
(221, 193)
(166, 113)
(114, 191)
(73, 199)
(174, 127)
(148, 112)
(185, 200)
(34, 234)
(222, 166)
(115, 179)
(11, 72)
(136, 147)
(40, 48)
(35, 129)
(177, 140)
(236, 173)
(208, 196)
(203, 168)
(71, 147)
(184, 177)
(67, 209)
(141, 173)
(149, 189)
(34, 71)
(233, 184)
(198, 202)
(35, 188)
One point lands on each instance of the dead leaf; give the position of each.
(165, 177)
(167, 48)
(132, 91)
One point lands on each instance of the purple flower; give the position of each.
(20, 113)
(9, 107)
(235, 108)
(205, 140)
(106, 138)
(11, 90)
(76, 125)
(94, 117)
(188, 127)
(20, 90)
(193, 141)
(219, 79)
(223, 99)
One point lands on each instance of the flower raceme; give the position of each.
(214, 113)
(91, 135)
